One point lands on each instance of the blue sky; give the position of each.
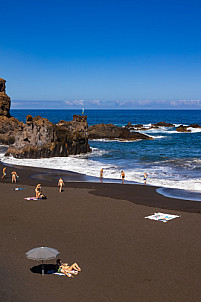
(102, 54)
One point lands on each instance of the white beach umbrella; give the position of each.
(42, 253)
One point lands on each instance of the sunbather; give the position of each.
(38, 192)
(68, 270)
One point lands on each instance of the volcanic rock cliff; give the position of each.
(9, 127)
(4, 100)
(39, 138)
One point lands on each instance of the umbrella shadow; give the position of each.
(47, 267)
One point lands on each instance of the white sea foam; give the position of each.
(79, 163)
(159, 131)
(156, 136)
(177, 125)
(194, 130)
(168, 131)
(159, 136)
(147, 125)
(100, 140)
(115, 140)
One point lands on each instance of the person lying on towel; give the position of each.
(68, 270)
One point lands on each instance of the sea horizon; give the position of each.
(105, 109)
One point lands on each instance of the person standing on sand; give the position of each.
(60, 184)
(4, 173)
(145, 178)
(122, 176)
(101, 173)
(14, 176)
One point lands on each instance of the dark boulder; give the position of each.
(139, 126)
(194, 126)
(182, 128)
(162, 124)
(129, 125)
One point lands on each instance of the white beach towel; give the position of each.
(162, 217)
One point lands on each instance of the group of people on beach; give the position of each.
(14, 175)
(38, 190)
(122, 176)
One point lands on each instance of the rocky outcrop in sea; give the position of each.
(152, 126)
(110, 131)
(183, 128)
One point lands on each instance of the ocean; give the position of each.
(171, 159)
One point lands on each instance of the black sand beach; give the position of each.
(123, 256)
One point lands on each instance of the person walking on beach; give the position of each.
(14, 176)
(122, 176)
(145, 178)
(4, 173)
(60, 184)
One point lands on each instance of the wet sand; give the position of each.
(123, 256)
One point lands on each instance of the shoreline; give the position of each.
(82, 170)
(136, 193)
